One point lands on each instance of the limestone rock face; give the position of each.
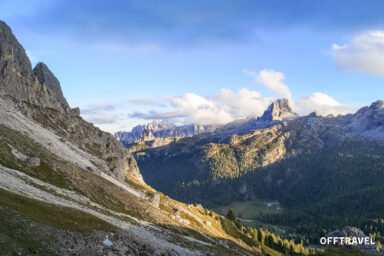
(160, 132)
(45, 76)
(278, 110)
(37, 93)
(15, 67)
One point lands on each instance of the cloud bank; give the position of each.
(99, 113)
(323, 104)
(365, 53)
(221, 108)
(227, 105)
(274, 81)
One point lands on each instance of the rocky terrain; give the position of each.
(159, 133)
(68, 188)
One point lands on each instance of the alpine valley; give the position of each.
(68, 188)
(322, 172)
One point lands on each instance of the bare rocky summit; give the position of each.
(278, 110)
(160, 133)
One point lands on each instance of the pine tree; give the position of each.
(231, 215)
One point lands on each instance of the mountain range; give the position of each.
(161, 132)
(325, 171)
(68, 188)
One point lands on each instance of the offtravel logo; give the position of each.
(351, 240)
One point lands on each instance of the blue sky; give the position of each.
(126, 62)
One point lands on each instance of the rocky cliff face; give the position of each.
(279, 110)
(47, 78)
(158, 133)
(38, 94)
(138, 130)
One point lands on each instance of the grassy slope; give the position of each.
(17, 212)
(53, 215)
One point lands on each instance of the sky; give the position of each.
(204, 61)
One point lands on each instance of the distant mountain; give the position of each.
(310, 164)
(138, 130)
(276, 112)
(163, 131)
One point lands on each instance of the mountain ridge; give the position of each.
(160, 132)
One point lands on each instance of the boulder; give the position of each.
(33, 161)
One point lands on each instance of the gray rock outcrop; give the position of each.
(33, 161)
(158, 130)
(278, 110)
(46, 77)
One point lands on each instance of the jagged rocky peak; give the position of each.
(12, 52)
(18, 80)
(156, 125)
(46, 77)
(278, 110)
(162, 129)
(16, 76)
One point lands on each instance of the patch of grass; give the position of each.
(15, 240)
(230, 228)
(268, 251)
(30, 148)
(45, 173)
(135, 185)
(6, 157)
(250, 209)
(53, 215)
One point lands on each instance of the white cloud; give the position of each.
(274, 81)
(202, 110)
(323, 104)
(99, 113)
(244, 103)
(156, 115)
(365, 53)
